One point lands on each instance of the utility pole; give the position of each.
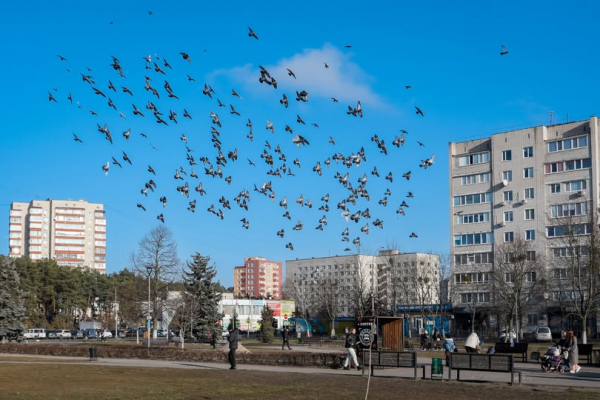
(116, 316)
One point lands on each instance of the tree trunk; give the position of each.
(584, 330)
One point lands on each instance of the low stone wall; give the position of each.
(303, 359)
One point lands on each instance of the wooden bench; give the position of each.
(512, 348)
(586, 350)
(482, 362)
(392, 359)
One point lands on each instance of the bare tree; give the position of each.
(301, 296)
(519, 279)
(157, 260)
(576, 265)
(328, 301)
(363, 289)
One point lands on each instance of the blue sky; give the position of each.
(449, 53)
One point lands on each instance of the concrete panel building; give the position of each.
(517, 185)
(398, 279)
(258, 278)
(71, 232)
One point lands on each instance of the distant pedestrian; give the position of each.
(286, 338)
(351, 351)
(436, 340)
(233, 345)
(213, 340)
(571, 341)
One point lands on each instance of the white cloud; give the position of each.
(344, 79)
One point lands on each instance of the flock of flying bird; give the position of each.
(272, 158)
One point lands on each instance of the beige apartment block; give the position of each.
(513, 185)
(71, 232)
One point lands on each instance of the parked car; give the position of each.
(76, 334)
(63, 334)
(51, 334)
(543, 334)
(35, 334)
(90, 334)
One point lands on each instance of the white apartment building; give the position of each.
(73, 233)
(513, 185)
(399, 279)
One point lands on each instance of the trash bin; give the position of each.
(437, 368)
(93, 353)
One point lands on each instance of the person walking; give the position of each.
(571, 341)
(351, 351)
(233, 345)
(286, 338)
(472, 343)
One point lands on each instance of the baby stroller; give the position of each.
(553, 361)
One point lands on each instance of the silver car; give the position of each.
(543, 334)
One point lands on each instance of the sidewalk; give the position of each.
(588, 377)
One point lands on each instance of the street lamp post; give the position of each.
(149, 269)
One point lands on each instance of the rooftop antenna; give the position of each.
(552, 115)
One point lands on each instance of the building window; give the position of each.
(507, 195)
(576, 230)
(506, 155)
(528, 152)
(507, 176)
(508, 277)
(532, 319)
(561, 273)
(473, 218)
(472, 159)
(508, 216)
(529, 193)
(575, 186)
(476, 198)
(530, 277)
(529, 214)
(555, 188)
(567, 144)
(528, 172)
(473, 258)
(530, 255)
(530, 234)
(472, 238)
(568, 210)
(509, 237)
(571, 165)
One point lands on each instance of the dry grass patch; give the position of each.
(34, 381)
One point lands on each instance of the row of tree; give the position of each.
(43, 294)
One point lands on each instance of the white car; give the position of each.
(543, 334)
(63, 334)
(35, 334)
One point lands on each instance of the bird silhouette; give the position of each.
(504, 50)
(252, 34)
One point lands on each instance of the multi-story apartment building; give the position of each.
(258, 278)
(516, 186)
(73, 233)
(400, 280)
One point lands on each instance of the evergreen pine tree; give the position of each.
(199, 285)
(267, 332)
(12, 312)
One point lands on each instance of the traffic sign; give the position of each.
(285, 316)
